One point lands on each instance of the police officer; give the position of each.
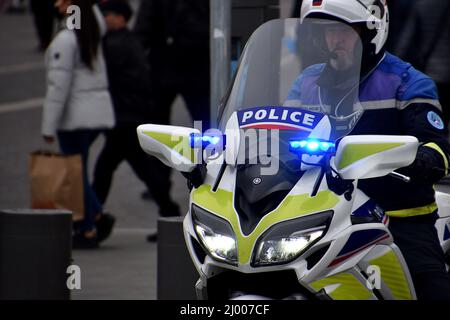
(398, 100)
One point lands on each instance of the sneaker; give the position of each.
(104, 226)
(80, 241)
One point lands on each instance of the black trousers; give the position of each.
(196, 99)
(197, 102)
(418, 240)
(122, 144)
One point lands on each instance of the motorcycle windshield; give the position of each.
(288, 66)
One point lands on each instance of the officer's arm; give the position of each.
(421, 117)
(294, 95)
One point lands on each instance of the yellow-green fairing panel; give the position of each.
(356, 152)
(393, 275)
(178, 143)
(220, 203)
(349, 288)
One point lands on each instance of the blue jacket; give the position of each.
(398, 100)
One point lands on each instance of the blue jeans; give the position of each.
(79, 142)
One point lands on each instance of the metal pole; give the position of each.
(220, 31)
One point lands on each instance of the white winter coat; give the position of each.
(77, 97)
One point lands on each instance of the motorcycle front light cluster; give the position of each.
(216, 235)
(286, 249)
(286, 241)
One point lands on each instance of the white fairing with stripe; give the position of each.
(377, 164)
(178, 160)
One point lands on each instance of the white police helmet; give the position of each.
(373, 13)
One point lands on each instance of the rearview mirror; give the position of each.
(170, 144)
(370, 156)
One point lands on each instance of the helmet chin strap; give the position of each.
(370, 61)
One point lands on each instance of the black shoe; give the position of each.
(104, 226)
(152, 237)
(146, 195)
(79, 241)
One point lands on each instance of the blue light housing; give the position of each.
(311, 146)
(202, 141)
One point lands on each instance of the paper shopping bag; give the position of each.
(56, 182)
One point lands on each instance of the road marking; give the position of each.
(20, 68)
(29, 104)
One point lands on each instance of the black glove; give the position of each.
(427, 168)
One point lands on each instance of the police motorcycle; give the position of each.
(275, 212)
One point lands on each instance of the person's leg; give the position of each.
(78, 142)
(109, 159)
(418, 241)
(96, 206)
(163, 100)
(146, 170)
(198, 103)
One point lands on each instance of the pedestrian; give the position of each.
(401, 101)
(77, 104)
(129, 85)
(425, 41)
(175, 35)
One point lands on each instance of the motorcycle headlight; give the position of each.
(216, 235)
(286, 241)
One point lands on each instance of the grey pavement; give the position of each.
(125, 265)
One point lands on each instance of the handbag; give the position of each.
(56, 182)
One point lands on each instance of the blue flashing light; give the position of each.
(211, 140)
(311, 146)
(202, 141)
(295, 145)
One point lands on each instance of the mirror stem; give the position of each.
(400, 176)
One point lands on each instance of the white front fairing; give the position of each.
(338, 236)
(341, 260)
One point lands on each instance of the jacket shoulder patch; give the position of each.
(435, 120)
